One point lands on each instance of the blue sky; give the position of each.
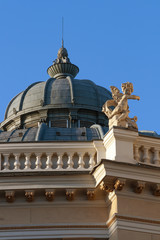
(110, 41)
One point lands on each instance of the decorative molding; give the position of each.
(29, 194)
(138, 188)
(49, 193)
(114, 169)
(156, 190)
(116, 217)
(107, 186)
(90, 194)
(10, 196)
(119, 184)
(63, 231)
(55, 226)
(70, 193)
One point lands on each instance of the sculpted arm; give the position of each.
(106, 107)
(133, 97)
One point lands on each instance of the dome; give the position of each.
(59, 93)
(62, 101)
(65, 94)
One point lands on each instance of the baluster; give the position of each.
(80, 162)
(146, 156)
(6, 164)
(16, 163)
(156, 157)
(70, 162)
(49, 162)
(27, 162)
(136, 153)
(91, 161)
(38, 162)
(59, 162)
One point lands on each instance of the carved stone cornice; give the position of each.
(49, 193)
(29, 194)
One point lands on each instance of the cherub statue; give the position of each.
(117, 109)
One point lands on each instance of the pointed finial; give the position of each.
(62, 32)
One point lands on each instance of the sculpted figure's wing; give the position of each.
(114, 90)
(116, 95)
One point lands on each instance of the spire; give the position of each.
(62, 67)
(62, 32)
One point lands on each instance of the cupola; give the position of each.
(62, 66)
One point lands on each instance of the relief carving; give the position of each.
(70, 193)
(29, 194)
(119, 184)
(10, 196)
(107, 186)
(156, 190)
(90, 194)
(139, 187)
(49, 193)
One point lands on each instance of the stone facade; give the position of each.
(103, 189)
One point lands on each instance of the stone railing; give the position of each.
(47, 161)
(147, 154)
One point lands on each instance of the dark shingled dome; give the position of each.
(60, 102)
(59, 93)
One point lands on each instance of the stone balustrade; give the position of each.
(80, 156)
(48, 161)
(147, 154)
